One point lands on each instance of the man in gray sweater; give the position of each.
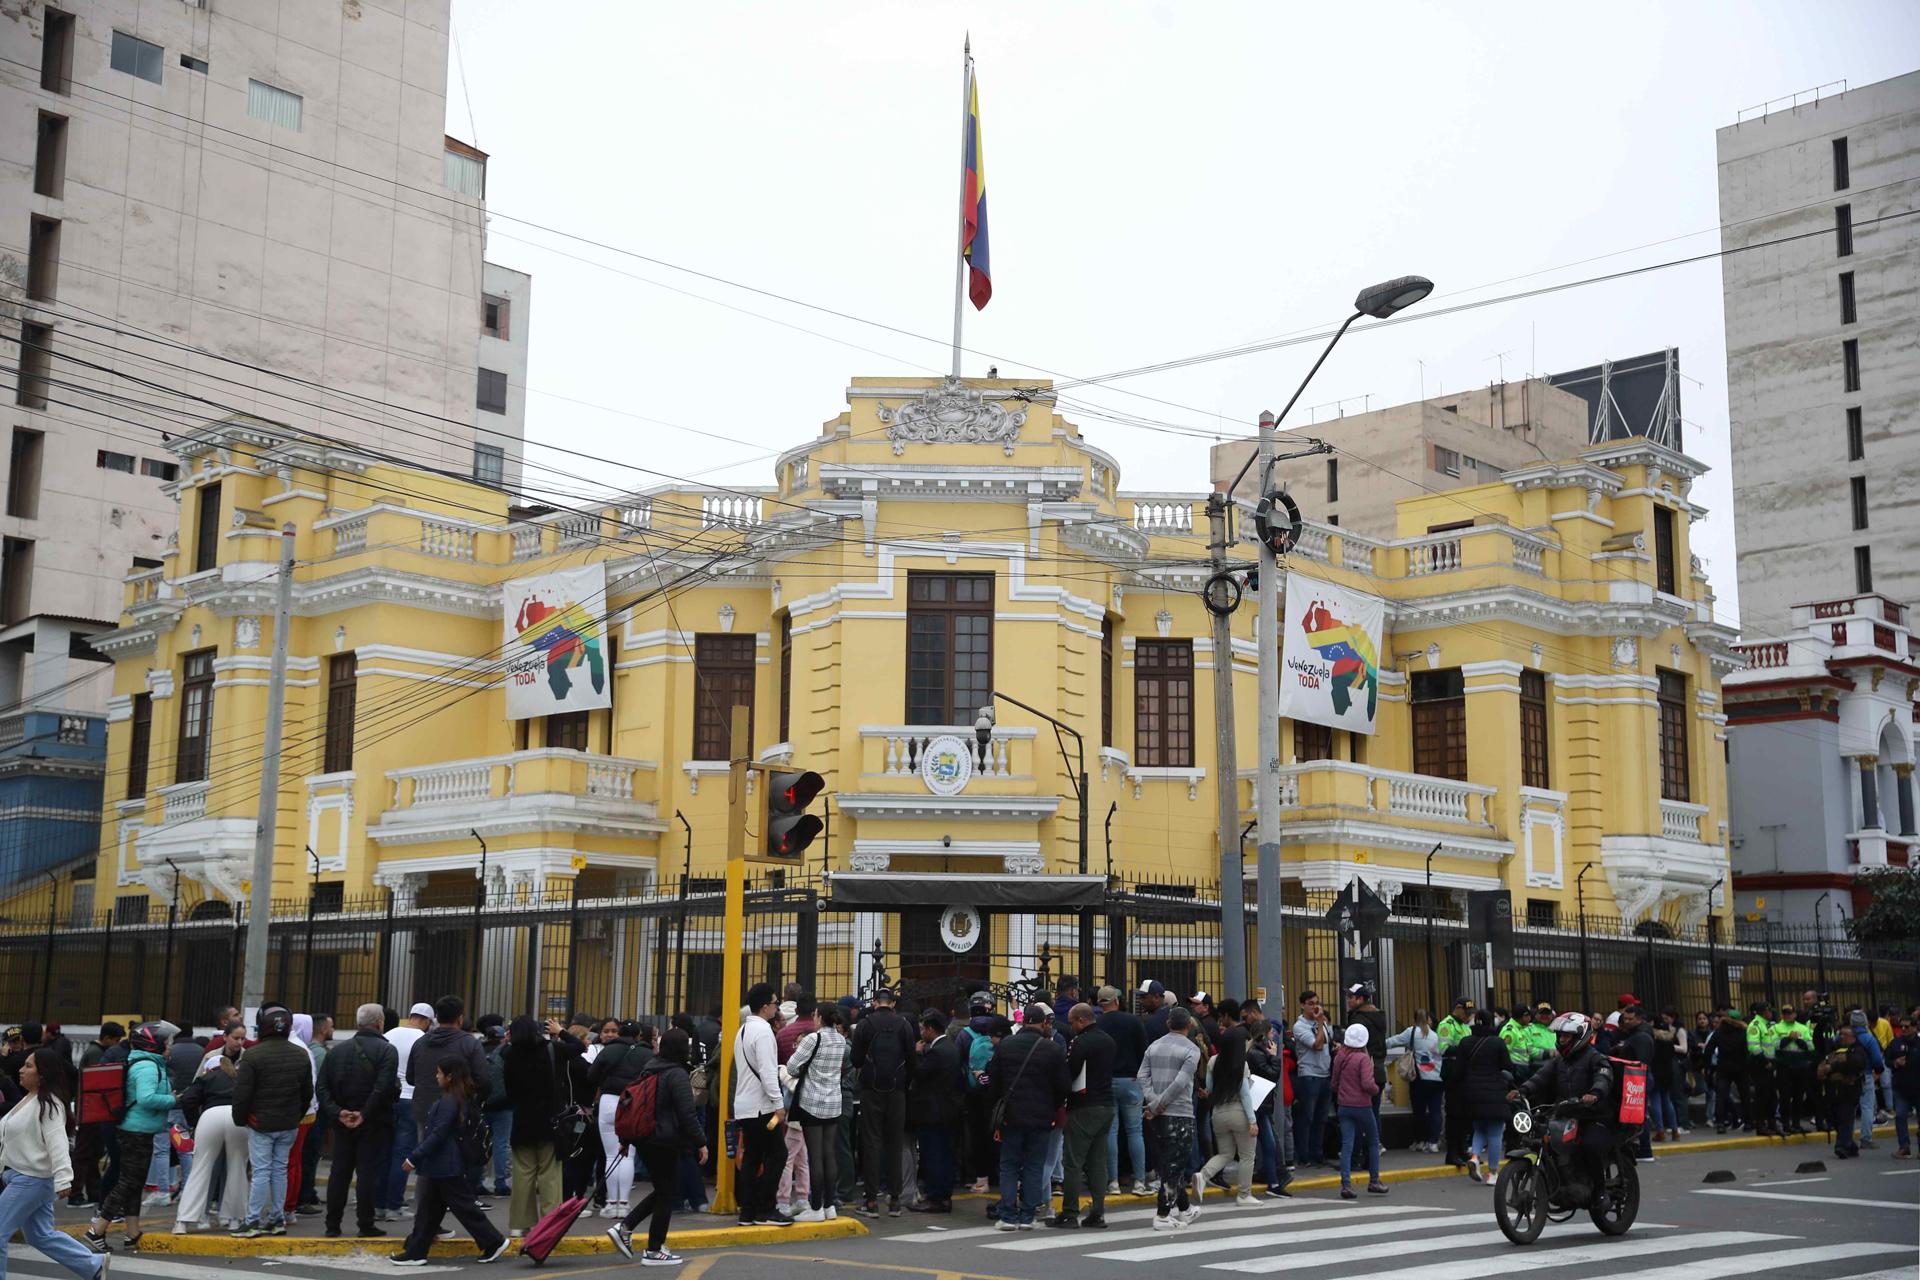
(1166, 1088)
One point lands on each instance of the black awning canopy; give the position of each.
(992, 892)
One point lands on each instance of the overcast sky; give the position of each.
(1163, 179)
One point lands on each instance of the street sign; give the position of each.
(1359, 909)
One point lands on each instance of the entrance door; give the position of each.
(932, 974)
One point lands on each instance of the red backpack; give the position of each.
(1630, 1098)
(637, 1115)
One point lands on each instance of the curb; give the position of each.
(161, 1242)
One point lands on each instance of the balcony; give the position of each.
(544, 790)
(1385, 793)
(1000, 782)
(182, 802)
(1682, 821)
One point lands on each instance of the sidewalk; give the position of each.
(305, 1235)
(711, 1231)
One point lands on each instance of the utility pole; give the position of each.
(1226, 767)
(1266, 800)
(732, 965)
(253, 985)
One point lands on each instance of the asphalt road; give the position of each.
(1859, 1219)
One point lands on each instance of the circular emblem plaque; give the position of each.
(960, 928)
(946, 765)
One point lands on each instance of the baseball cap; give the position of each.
(884, 994)
(1109, 995)
(1201, 997)
(1627, 998)
(421, 1010)
(1038, 1012)
(1148, 987)
(1544, 1007)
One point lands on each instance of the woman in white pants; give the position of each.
(617, 1066)
(217, 1140)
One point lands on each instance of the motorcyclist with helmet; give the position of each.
(1580, 1074)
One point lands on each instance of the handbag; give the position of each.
(997, 1118)
(571, 1125)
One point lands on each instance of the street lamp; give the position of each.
(1820, 940)
(983, 731)
(1379, 301)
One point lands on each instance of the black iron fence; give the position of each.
(558, 952)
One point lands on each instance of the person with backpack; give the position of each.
(977, 1039)
(452, 1141)
(813, 1073)
(359, 1085)
(665, 1124)
(618, 1064)
(882, 1054)
(148, 1094)
(35, 1167)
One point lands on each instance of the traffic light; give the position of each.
(1276, 522)
(789, 828)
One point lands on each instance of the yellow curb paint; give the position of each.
(213, 1245)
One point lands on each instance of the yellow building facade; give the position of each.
(1550, 683)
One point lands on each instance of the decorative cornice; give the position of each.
(932, 808)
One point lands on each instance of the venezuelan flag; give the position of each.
(973, 244)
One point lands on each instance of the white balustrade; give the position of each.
(1357, 555)
(1529, 556)
(729, 510)
(1440, 555)
(185, 802)
(527, 540)
(449, 541)
(905, 746)
(578, 530)
(1314, 543)
(350, 536)
(1680, 820)
(1419, 796)
(453, 784)
(1167, 519)
(637, 515)
(610, 779)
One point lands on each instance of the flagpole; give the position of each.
(960, 239)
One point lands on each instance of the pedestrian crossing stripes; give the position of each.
(1789, 1195)
(1142, 1215)
(1407, 1251)
(1314, 1211)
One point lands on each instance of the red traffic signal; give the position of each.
(788, 828)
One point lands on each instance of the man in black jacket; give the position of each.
(1089, 1117)
(270, 1097)
(359, 1083)
(448, 1039)
(883, 1060)
(1027, 1076)
(933, 1107)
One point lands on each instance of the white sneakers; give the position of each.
(1186, 1219)
(810, 1215)
(1141, 1188)
(1248, 1199)
(1167, 1224)
(1199, 1187)
(1176, 1220)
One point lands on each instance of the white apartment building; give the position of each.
(1823, 348)
(249, 206)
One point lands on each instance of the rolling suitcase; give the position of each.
(550, 1230)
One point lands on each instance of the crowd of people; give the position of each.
(853, 1105)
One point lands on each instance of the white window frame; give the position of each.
(276, 106)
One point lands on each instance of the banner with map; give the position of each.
(1330, 655)
(556, 652)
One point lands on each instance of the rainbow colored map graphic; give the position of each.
(569, 636)
(1351, 653)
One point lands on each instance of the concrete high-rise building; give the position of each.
(248, 207)
(1823, 348)
(1406, 450)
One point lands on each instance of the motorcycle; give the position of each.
(1544, 1179)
